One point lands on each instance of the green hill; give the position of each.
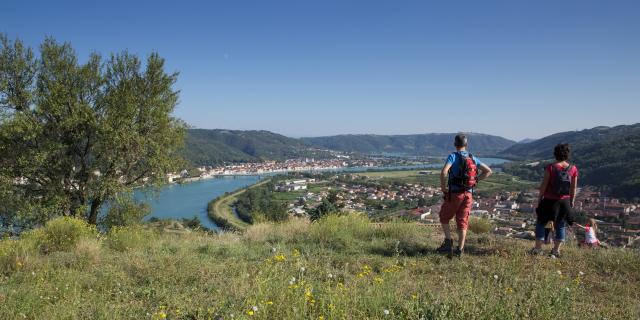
(607, 157)
(336, 268)
(416, 144)
(211, 147)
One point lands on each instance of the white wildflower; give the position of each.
(581, 273)
(495, 276)
(254, 308)
(302, 269)
(386, 312)
(559, 272)
(330, 276)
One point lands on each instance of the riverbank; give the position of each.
(220, 210)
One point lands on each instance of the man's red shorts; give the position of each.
(458, 205)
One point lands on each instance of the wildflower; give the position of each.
(330, 276)
(302, 269)
(269, 303)
(250, 312)
(321, 318)
(254, 308)
(280, 258)
(386, 312)
(378, 280)
(509, 290)
(495, 276)
(581, 273)
(331, 306)
(567, 289)
(414, 297)
(296, 253)
(559, 272)
(292, 281)
(274, 249)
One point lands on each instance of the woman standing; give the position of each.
(557, 197)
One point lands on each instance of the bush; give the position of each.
(13, 254)
(125, 212)
(125, 238)
(61, 234)
(480, 225)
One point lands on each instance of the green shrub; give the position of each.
(125, 212)
(125, 238)
(11, 256)
(61, 234)
(480, 225)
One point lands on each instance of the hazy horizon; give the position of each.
(303, 69)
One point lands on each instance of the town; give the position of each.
(511, 212)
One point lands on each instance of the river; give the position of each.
(176, 201)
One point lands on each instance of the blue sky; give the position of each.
(306, 68)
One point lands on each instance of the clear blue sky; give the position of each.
(307, 68)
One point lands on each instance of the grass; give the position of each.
(341, 267)
(221, 210)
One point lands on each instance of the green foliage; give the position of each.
(126, 238)
(257, 205)
(73, 135)
(124, 211)
(480, 225)
(324, 208)
(61, 234)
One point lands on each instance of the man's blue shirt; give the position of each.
(454, 160)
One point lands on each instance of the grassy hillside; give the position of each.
(605, 156)
(416, 144)
(212, 147)
(337, 268)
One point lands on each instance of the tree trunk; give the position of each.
(95, 209)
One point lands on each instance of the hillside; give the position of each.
(337, 268)
(607, 157)
(212, 147)
(416, 144)
(543, 148)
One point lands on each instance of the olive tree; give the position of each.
(74, 135)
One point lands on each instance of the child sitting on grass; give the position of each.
(590, 230)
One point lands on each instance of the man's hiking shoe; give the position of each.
(446, 247)
(458, 253)
(554, 254)
(535, 252)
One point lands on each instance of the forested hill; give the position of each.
(414, 144)
(212, 147)
(607, 157)
(543, 147)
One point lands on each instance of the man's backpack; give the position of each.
(468, 173)
(561, 184)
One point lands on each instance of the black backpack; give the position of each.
(561, 185)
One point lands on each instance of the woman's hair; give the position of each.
(592, 223)
(562, 152)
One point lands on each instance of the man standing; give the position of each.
(461, 175)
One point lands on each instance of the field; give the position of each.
(497, 181)
(337, 268)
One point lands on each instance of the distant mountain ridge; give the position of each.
(412, 144)
(218, 146)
